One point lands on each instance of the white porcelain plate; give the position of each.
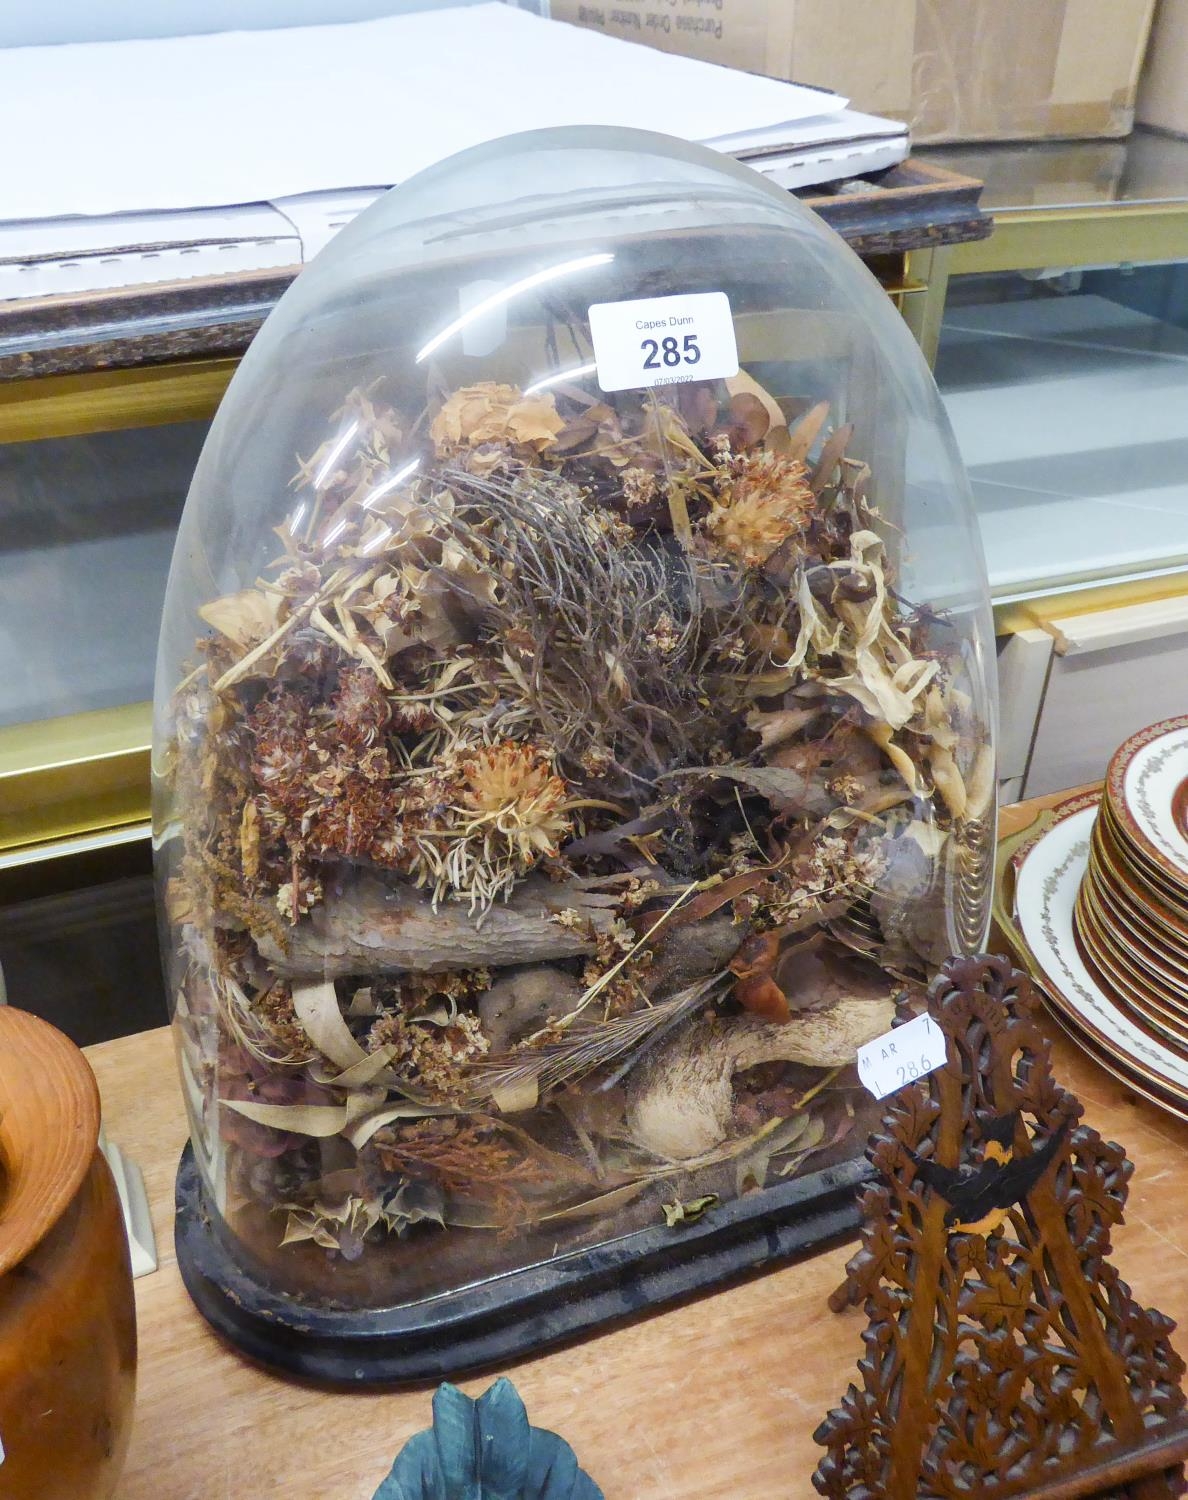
(1048, 874)
(1145, 776)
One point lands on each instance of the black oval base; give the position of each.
(513, 1315)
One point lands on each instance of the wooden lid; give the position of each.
(49, 1127)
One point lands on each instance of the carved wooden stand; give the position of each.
(1004, 1354)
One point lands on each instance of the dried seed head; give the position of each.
(767, 500)
(503, 809)
(513, 788)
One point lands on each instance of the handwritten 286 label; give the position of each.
(901, 1056)
(663, 340)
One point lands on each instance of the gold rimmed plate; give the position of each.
(1134, 951)
(1131, 945)
(1136, 871)
(1038, 900)
(1180, 808)
(1149, 1009)
(1144, 792)
(1143, 919)
(1145, 914)
(1142, 1086)
(1129, 981)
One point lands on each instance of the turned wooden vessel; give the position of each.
(67, 1319)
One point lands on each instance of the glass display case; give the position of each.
(1067, 391)
(94, 469)
(1062, 360)
(86, 529)
(573, 739)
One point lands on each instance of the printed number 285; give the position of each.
(669, 352)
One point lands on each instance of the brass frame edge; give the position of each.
(78, 775)
(923, 315)
(1104, 234)
(1029, 614)
(73, 847)
(54, 406)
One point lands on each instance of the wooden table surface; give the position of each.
(716, 1398)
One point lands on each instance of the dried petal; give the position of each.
(245, 618)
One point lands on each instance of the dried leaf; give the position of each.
(498, 414)
(831, 455)
(813, 1138)
(316, 1005)
(318, 1120)
(749, 419)
(948, 779)
(787, 790)
(804, 434)
(938, 721)
(245, 618)
(753, 1166)
(361, 1130)
(883, 696)
(713, 899)
(342, 1223)
(361, 1074)
(775, 728)
(515, 1097)
(534, 421)
(899, 758)
(743, 384)
(688, 1213)
(980, 784)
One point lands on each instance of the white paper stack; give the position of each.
(197, 155)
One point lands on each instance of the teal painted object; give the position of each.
(485, 1450)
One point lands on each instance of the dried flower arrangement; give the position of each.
(557, 815)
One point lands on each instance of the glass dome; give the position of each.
(573, 720)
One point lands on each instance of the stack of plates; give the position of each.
(1100, 905)
(1131, 914)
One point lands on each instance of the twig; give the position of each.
(600, 984)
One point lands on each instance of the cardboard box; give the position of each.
(1163, 91)
(956, 70)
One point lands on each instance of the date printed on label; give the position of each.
(901, 1056)
(654, 341)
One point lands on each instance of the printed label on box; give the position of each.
(663, 340)
(901, 1056)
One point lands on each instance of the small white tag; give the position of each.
(663, 340)
(901, 1056)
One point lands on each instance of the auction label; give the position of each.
(663, 340)
(901, 1056)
